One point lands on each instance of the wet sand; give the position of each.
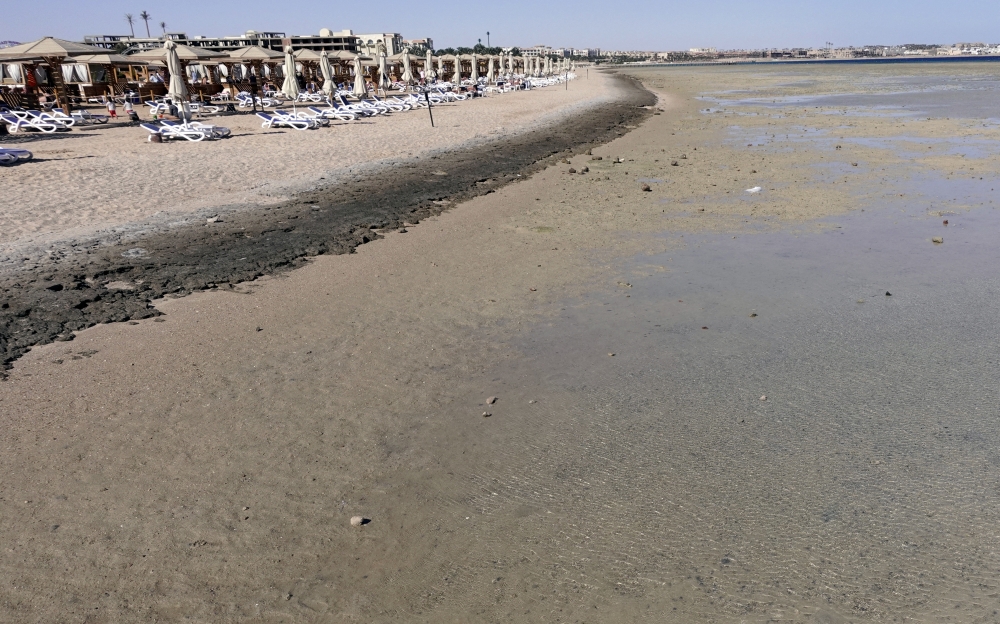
(205, 464)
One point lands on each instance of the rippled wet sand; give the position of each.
(769, 423)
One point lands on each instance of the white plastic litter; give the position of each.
(755, 189)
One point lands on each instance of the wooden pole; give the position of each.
(55, 67)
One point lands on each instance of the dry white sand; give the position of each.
(98, 178)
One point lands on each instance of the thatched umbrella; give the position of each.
(359, 79)
(52, 52)
(327, 71)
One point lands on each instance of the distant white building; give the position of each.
(368, 44)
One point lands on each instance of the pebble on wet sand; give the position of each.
(763, 397)
(937, 240)
(645, 187)
(491, 400)
(486, 414)
(359, 521)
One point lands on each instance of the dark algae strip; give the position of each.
(55, 299)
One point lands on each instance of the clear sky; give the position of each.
(609, 24)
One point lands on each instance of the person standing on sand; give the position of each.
(112, 110)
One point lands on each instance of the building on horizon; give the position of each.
(326, 40)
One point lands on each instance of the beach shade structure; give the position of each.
(186, 54)
(407, 76)
(308, 59)
(440, 69)
(176, 89)
(254, 56)
(108, 61)
(359, 89)
(52, 52)
(475, 68)
(429, 72)
(490, 71)
(383, 67)
(327, 70)
(290, 86)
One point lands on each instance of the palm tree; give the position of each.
(130, 20)
(163, 25)
(145, 16)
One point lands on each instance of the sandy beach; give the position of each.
(204, 465)
(95, 180)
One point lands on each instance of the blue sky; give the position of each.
(621, 24)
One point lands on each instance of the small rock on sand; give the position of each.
(486, 414)
(763, 397)
(359, 521)
(645, 187)
(572, 170)
(937, 240)
(491, 400)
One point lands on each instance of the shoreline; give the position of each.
(54, 298)
(206, 464)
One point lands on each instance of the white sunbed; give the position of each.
(16, 123)
(214, 132)
(273, 121)
(309, 116)
(175, 132)
(335, 112)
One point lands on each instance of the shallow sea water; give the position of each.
(798, 424)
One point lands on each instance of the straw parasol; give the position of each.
(490, 75)
(407, 76)
(475, 68)
(52, 52)
(440, 69)
(429, 72)
(290, 86)
(327, 71)
(359, 79)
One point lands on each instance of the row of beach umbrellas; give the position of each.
(54, 52)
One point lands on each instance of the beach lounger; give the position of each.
(334, 112)
(174, 132)
(17, 123)
(214, 132)
(310, 116)
(272, 121)
(84, 117)
(20, 154)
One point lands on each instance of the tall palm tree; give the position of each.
(163, 25)
(130, 20)
(145, 16)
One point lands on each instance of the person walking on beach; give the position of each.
(112, 110)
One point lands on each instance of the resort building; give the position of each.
(368, 44)
(325, 40)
